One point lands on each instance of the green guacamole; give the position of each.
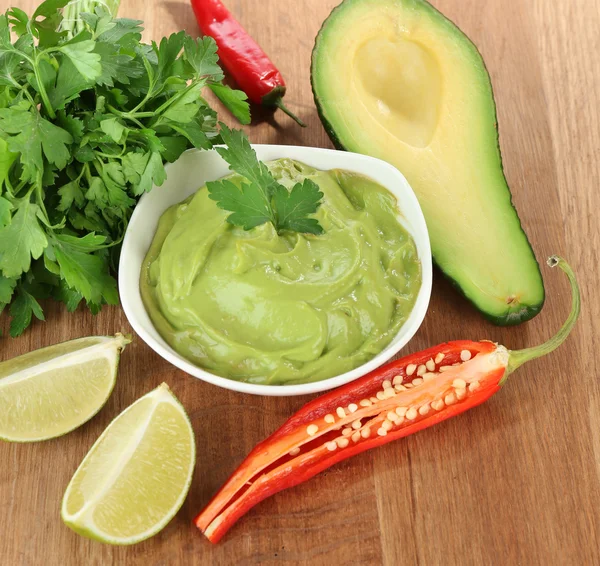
(274, 309)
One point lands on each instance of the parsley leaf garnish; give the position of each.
(260, 198)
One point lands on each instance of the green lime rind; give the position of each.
(49, 392)
(136, 476)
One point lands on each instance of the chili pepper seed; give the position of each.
(430, 365)
(424, 409)
(421, 370)
(439, 357)
(342, 442)
(329, 419)
(473, 386)
(331, 446)
(294, 451)
(465, 355)
(411, 414)
(340, 412)
(312, 429)
(352, 407)
(365, 403)
(450, 399)
(410, 369)
(381, 431)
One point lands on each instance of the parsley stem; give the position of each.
(151, 85)
(18, 188)
(180, 94)
(128, 115)
(9, 186)
(39, 192)
(42, 91)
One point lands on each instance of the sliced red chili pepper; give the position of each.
(398, 399)
(244, 59)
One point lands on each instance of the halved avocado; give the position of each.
(397, 80)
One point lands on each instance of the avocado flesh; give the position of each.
(397, 80)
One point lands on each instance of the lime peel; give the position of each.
(119, 461)
(51, 391)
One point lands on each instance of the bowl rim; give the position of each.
(372, 167)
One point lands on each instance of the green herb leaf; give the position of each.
(7, 287)
(82, 56)
(69, 83)
(293, 207)
(242, 159)
(234, 101)
(133, 165)
(7, 158)
(49, 8)
(154, 172)
(22, 309)
(184, 108)
(248, 203)
(113, 128)
(87, 274)
(10, 69)
(174, 147)
(65, 294)
(21, 240)
(5, 214)
(18, 20)
(32, 133)
(202, 56)
(90, 242)
(69, 194)
(262, 199)
(193, 132)
(71, 124)
(116, 66)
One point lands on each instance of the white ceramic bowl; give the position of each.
(190, 172)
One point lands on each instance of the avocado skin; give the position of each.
(528, 311)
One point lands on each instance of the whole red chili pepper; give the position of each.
(246, 62)
(398, 399)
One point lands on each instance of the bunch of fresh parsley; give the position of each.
(86, 123)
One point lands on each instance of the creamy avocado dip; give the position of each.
(275, 309)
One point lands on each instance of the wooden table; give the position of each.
(515, 481)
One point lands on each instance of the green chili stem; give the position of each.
(519, 357)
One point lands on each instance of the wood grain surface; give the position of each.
(515, 481)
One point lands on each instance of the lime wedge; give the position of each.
(52, 391)
(136, 476)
